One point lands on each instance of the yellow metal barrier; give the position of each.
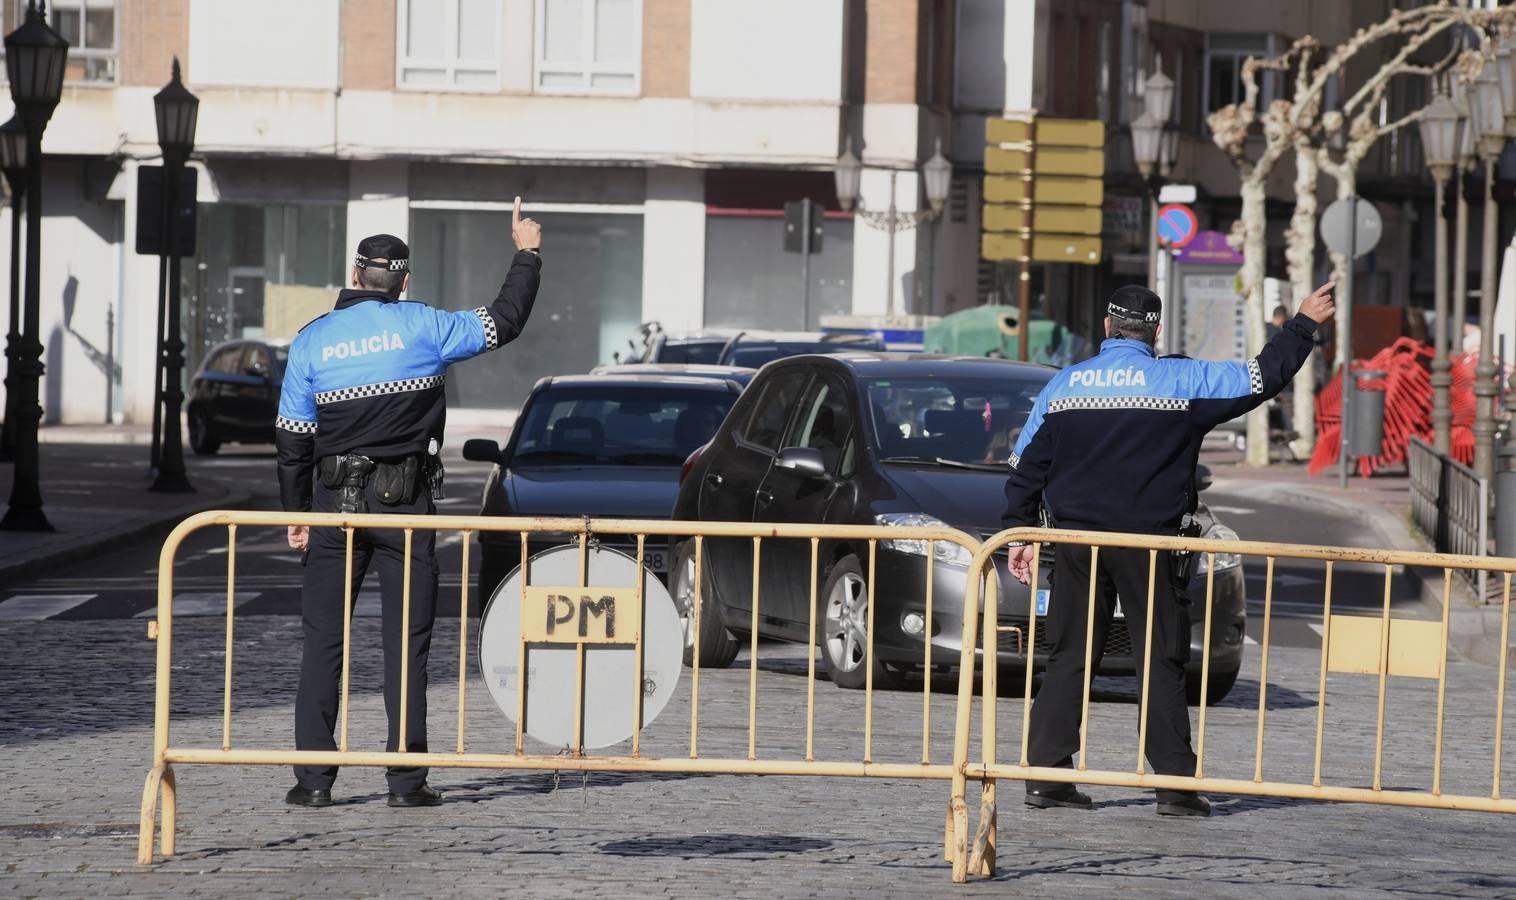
(159, 799)
(1381, 646)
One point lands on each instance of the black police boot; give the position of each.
(299, 796)
(421, 796)
(1063, 796)
(1183, 803)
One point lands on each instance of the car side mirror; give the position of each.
(481, 450)
(803, 461)
(1202, 477)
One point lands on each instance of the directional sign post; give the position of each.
(1043, 191)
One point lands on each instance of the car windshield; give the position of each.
(655, 425)
(949, 421)
(753, 355)
(699, 352)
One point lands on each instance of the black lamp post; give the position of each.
(34, 59)
(13, 165)
(177, 111)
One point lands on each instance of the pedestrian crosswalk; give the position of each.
(40, 606)
(143, 605)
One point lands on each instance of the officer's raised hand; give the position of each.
(1319, 306)
(527, 233)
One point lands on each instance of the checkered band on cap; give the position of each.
(491, 333)
(295, 425)
(1122, 312)
(394, 265)
(1164, 404)
(376, 390)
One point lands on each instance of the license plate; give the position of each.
(1042, 601)
(655, 560)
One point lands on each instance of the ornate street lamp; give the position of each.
(1147, 142)
(177, 112)
(937, 175)
(34, 58)
(1440, 133)
(1489, 107)
(13, 165)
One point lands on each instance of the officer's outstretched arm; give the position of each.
(465, 334)
(1222, 391)
(295, 431)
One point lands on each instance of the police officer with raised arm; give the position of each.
(359, 429)
(1111, 444)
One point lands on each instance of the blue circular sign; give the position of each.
(1177, 225)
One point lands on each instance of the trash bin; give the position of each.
(1505, 503)
(1366, 416)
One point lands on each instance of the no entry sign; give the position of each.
(1177, 225)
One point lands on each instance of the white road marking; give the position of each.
(369, 605)
(40, 606)
(208, 603)
(1247, 640)
(1317, 627)
(1284, 579)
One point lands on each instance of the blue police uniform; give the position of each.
(364, 395)
(1111, 444)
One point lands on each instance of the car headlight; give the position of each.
(1224, 561)
(946, 551)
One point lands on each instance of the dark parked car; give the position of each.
(748, 349)
(889, 439)
(235, 395)
(604, 446)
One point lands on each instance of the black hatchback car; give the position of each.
(604, 446)
(885, 439)
(235, 395)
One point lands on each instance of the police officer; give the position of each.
(1111, 445)
(359, 428)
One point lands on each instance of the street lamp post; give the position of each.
(177, 111)
(34, 59)
(13, 165)
(1489, 107)
(1154, 148)
(937, 172)
(1467, 159)
(1440, 126)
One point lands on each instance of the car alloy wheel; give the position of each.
(684, 597)
(847, 617)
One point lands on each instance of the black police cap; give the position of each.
(1136, 303)
(395, 254)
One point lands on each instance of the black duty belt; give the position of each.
(396, 482)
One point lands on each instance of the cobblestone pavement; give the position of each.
(75, 765)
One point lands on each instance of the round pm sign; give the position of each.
(1177, 225)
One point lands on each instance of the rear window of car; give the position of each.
(697, 352)
(654, 425)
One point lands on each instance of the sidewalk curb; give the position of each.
(1473, 630)
(90, 545)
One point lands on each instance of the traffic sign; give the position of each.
(1177, 225)
(1177, 193)
(1338, 230)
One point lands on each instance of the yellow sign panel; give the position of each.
(1068, 191)
(581, 615)
(999, 160)
(1005, 188)
(1007, 131)
(1355, 646)
(1006, 217)
(1002, 247)
(1066, 248)
(1066, 161)
(1063, 220)
(1070, 132)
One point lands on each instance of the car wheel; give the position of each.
(717, 646)
(1221, 685)
(844, 618)
(200, 438)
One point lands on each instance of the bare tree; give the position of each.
(1298, 124)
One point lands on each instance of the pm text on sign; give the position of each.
(575, 615)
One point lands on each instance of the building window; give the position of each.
(589, 46)
(89, 26)
(449, 44)
(1224, 56)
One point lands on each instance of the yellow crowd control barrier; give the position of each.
(1382, 646)
(160, 801)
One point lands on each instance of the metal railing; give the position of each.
(1450, 505)
(160, 800)
(1384, 645)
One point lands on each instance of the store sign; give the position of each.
(1121, 215)
(1209, 248)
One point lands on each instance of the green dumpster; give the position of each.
(993, 331)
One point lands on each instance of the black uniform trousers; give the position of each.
(321, 615)
(1054, 735)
